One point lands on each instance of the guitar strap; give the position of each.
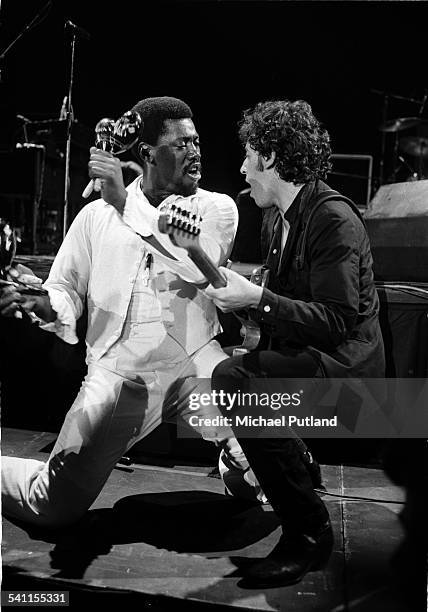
(323, 197)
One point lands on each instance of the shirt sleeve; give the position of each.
(329, 316)
(218, 228)
(68, 279)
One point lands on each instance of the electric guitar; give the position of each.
(8, 244)
(183, 229)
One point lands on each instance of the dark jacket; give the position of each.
(326, 302)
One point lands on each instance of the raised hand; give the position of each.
(107, 168)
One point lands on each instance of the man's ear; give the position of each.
(269, 163)
(264, 163)
(145, 152)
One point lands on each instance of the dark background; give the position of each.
(221, 57)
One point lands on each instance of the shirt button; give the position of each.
(275, 251)
(266, 308)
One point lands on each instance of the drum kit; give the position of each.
(414, 145)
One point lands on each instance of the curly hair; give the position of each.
(301, 144)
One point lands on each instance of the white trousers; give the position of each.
(109, 415)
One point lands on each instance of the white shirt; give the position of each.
(99, 261)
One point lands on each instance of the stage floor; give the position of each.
(166, 538)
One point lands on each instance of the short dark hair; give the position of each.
(155, 111)
(301, 144)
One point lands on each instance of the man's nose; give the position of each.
(193, 148)
(243, 169)
(193, 155)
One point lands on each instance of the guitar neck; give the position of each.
(207, 267)
(186, 238)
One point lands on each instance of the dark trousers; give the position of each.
(277, 461)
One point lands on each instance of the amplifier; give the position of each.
(351, 175)
(397, 224)
(404, 323)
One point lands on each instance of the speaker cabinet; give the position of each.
(397, 224)
(404, 323)
(351, 174)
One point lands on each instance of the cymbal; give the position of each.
(417, 146)
(401, 123)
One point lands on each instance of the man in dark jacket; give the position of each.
(319, 311)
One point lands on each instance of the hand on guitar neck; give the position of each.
(230, 291)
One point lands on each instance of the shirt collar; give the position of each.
(298, 204)
(136, 188)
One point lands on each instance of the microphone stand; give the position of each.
(421, 110)
(383, 140)
(395, 159)
(69, 122)
(75, 32)
(37, 19)
(393, 95)
(386, 97)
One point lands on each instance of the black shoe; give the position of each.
(314, 470)
(290, 560)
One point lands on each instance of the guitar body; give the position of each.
(250, 330)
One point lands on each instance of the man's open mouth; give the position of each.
(194, 171)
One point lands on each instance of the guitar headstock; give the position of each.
(182, 226)
(8, 240)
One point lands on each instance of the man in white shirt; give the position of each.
(151, 328)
